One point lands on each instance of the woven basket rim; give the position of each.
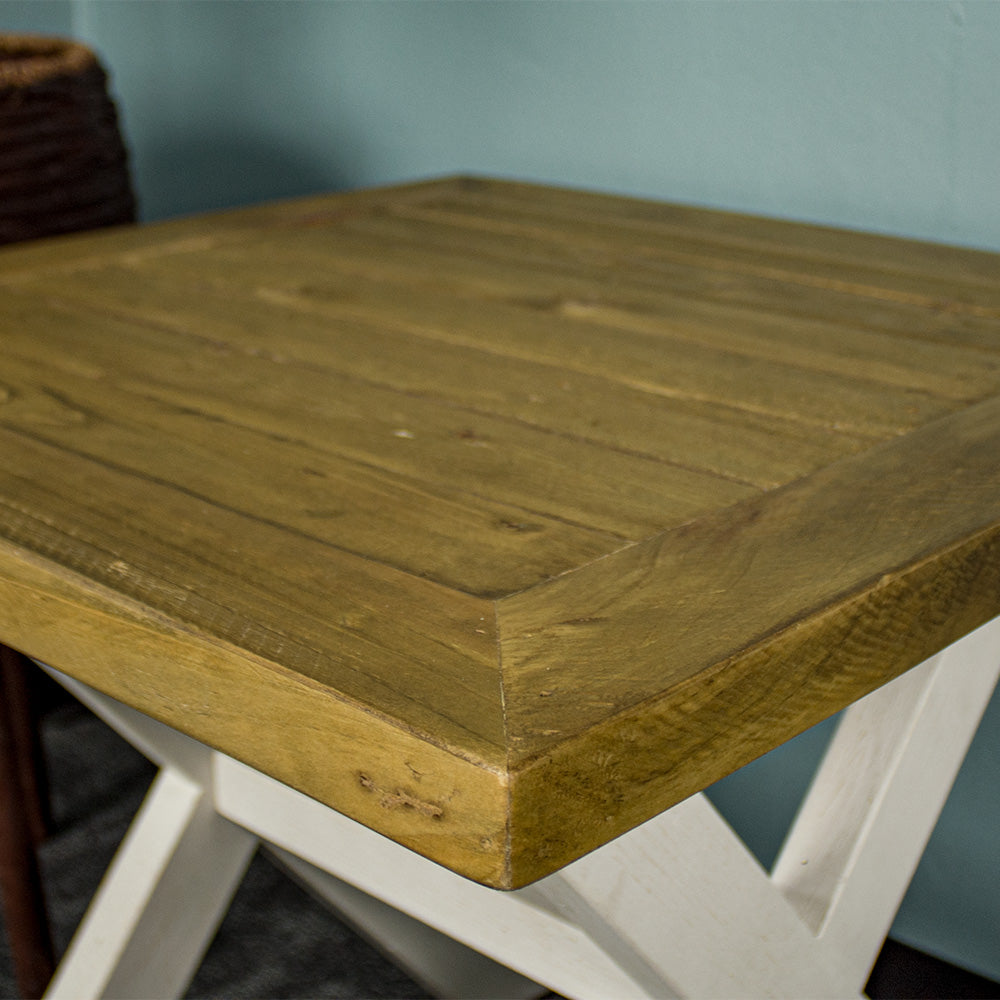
(28, 60)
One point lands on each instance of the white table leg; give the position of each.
(687, 911)
(442, 965)
(862, 828)
(171, 880)
(161, 900)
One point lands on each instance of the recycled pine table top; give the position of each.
(498, 517)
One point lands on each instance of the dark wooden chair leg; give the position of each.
(24, 721)
(25, 916)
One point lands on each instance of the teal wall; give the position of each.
(875, 115)
(42, 17)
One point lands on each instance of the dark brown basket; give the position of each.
(63, 165)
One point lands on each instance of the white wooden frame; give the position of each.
(678, 907)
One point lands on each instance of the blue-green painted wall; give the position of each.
(873, 115)
(38, 17)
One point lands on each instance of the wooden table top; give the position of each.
(497, 517)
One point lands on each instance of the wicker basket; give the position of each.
(63, 165)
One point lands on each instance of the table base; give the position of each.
(678, 907)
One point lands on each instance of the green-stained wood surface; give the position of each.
(495, 516)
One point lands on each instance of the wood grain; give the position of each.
(498, 517)
(878, 261)
(431, 799)
(518, 309)
(403, 351)
(364, 425)
(881, 562)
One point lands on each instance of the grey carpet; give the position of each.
(276, 940)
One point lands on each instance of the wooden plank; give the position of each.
(350, 475)
(916, 347)
(813, 345)
(554, 212)
(667, 272)
(277, 594)
(468, 312)
(718, 585)
(935, 367)
(715, 437)
(881, 261)
(741, 630)
(257, 401)
(447, 805)
(913, 333)
(80, 252)
(656, 357)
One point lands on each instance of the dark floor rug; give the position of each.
(277, 941)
